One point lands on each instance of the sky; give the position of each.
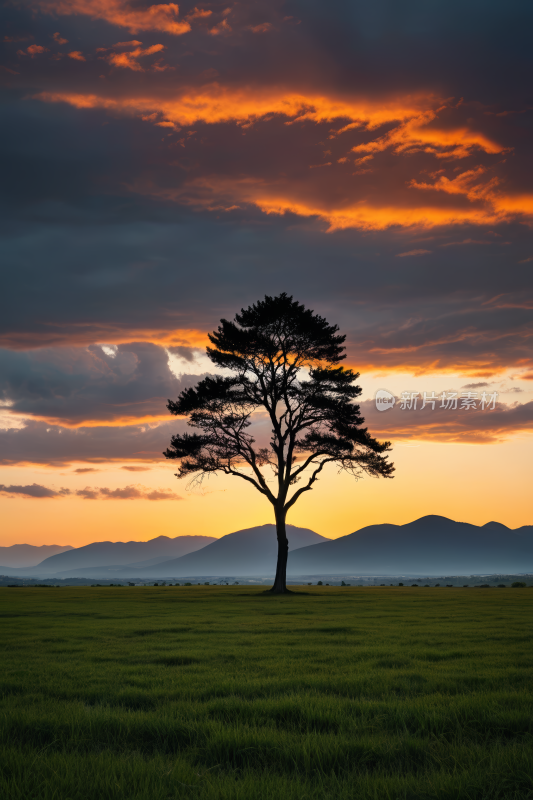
(164, 166)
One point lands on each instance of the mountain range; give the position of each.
(99, 555)
(28, 555)
(431, 545)
(240, 553)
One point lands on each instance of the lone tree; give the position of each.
(283, 360)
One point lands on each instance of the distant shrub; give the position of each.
(319, 583)
(156, 584)
(449, 585)
(518, 585)
(131, 584)
(465, 586)
(206, 583)
(176, 584)
(501, 586)
(188, 584)
(414, 585)
(400, 584)
(426, 586)
(437, 584)
(485, 586)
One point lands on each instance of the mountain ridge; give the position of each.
(29, 555)
(107, 553)
(432, 545)
(234, 554)
(428, 545)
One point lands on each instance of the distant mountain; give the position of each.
(252, 551)
(28, 555)
(431, 545)
(104, 554)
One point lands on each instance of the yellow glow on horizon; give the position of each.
(475, 483)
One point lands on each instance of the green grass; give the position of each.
(227, 693)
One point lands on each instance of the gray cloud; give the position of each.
(88, 260)
(42, 443)
(34, 490)
(448, 425)
(37, 491)
(126, 493)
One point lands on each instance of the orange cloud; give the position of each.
(417, 134)
(118, 421)
(264, 27)
(213, 103)
(59, 39)
(227, 194)
(413, 253)
(198, 13)
(33, 50)
(488, 196)
(478, 200)
(128, 59)
(466, 183)
(77, 55)
(132, 43)
(86, 334)
(162, 17)
(222, 27)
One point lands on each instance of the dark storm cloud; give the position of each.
(127, 220)
(117, 281)
(74, 385)
(482, 46)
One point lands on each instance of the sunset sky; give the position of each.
(164, 166)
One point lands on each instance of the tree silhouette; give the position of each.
(283, 360)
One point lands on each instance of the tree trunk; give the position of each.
(280, 582)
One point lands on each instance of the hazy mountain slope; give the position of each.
(248, 552)
(103, 554)
(28, 555)
(431, 545)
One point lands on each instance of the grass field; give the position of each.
(219, 693)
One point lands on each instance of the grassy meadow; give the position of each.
(223, 693)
